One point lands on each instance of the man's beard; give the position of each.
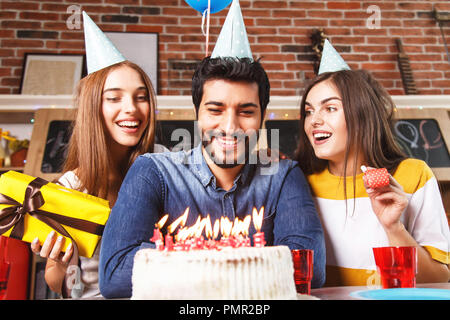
(232, 158)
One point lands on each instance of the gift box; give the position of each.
(32, 207)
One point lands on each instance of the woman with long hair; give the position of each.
(346, 121)
(115, 123)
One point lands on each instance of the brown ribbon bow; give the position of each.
(13, 217)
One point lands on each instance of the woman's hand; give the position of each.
(51, 249)
(388, 203)
(57, 261)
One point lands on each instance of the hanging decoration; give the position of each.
(206, 7)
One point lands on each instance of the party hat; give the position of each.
(100, 52)
(233, 41)
(331, 60)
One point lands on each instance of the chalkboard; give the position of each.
(176, 135)
(51, 133)
(422, 139)
(288, 135)
(55, 152)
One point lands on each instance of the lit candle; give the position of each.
(258, 237)
(245, 227)
(157, 237)
(224, 242)
(189, 244)
(211, 244)
(199, 243)
(238, 241)
(258, 240)
(169, 242)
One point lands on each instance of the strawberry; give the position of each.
(376, 178)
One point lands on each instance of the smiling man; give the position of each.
(230, 96)
(220, 177)
(216, 178)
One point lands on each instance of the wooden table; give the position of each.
(343, 293)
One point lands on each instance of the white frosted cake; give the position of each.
(244, 273)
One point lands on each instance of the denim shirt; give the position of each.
(157, 184)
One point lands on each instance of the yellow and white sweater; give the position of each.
(351, 235)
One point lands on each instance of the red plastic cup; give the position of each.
(303, 260)
(397, 266)
(4, 275)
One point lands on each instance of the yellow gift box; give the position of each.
(80, 213)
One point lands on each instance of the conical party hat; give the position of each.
(331, 60)
(233, 41)
(100, 52)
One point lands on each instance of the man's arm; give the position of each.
(297, 223)
(129, 227)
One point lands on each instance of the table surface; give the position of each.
(343, 293)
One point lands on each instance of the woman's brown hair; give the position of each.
(368, 111)
(88, 152)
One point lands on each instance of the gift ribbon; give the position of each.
(13, 217)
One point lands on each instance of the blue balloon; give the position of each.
(202, 5)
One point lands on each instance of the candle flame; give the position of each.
(162, 222)
(225, 225)
(246, 225)
(182, 234)
(216, 229)
(195, 227)
(236, 229)
(208, 228)
(180, 221)
(258, 218)
(200, 227)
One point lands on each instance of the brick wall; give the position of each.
(279, 33)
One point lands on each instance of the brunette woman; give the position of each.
(345, 122)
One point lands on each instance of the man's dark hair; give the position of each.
(232, 69)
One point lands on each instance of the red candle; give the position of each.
(244, 241)
(258, 237)
(179, 246)
(211, 244)
(157, 235)
(169, 242)
(157, 239)
(199, 243)
(189, 244)
(238, 241)
(258, 240)
(225, 242)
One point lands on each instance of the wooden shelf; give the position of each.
(4, 169)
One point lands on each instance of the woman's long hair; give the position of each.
(88, 151)
(368, 111)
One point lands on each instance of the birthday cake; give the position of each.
(244, 273)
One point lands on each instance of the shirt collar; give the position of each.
(202, 170)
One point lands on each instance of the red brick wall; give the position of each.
(279, 33)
